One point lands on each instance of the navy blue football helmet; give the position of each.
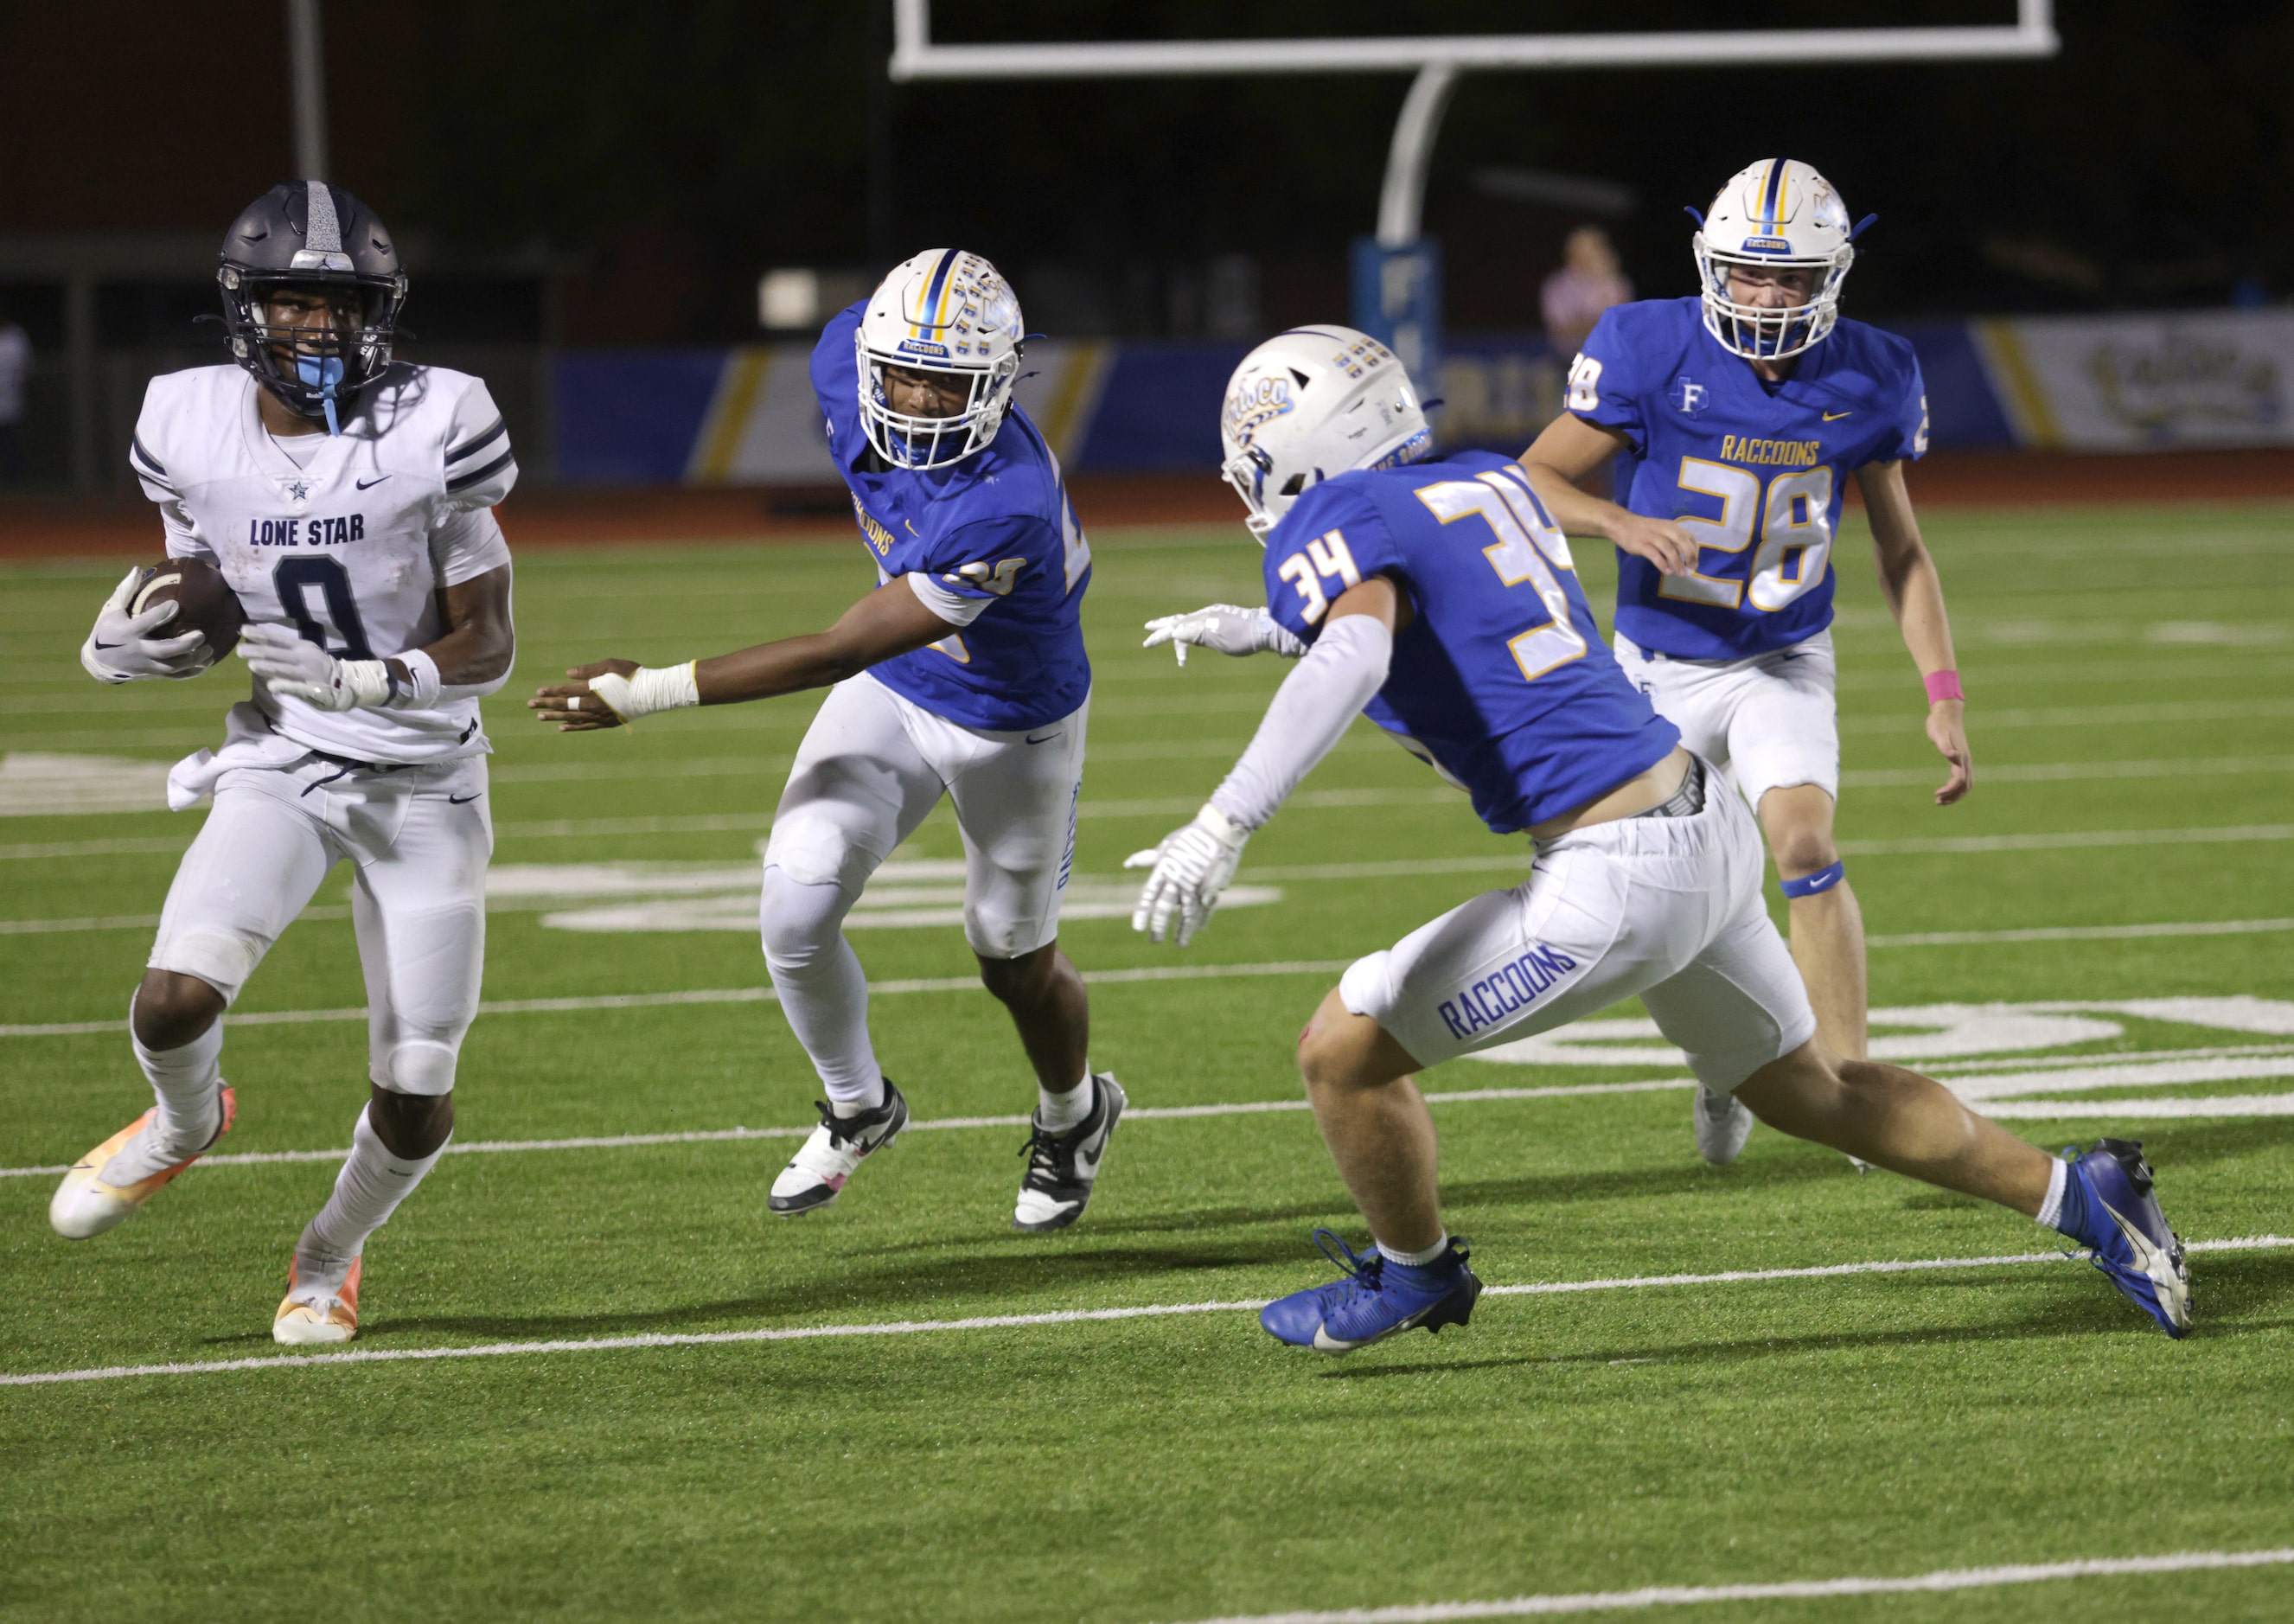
(310, 237)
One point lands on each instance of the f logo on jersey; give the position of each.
(1687, 395)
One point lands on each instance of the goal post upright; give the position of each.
(1438, 60)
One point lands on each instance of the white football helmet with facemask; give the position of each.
(948, 312)
(1309, 404)
(1778, 214)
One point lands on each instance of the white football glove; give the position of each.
(1192, 865)
(122, 647)
(292, 665)
(1226, 628)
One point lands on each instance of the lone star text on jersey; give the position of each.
(313, 532)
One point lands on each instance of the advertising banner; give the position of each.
(745, 416)
(2143, 383)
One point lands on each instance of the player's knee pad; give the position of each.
(1814, 884)
(814, 845)
(799, 919)
(418, 1065)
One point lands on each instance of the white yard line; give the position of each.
(2089, 715)
(715, 995)
(2138, 1110)
(992, 1322)
(1943, 938)
(2061, 1075)
(2072, 839)
(2082, 933)
(47, 851)
(1518, 860)
(1940, 1581)
(704, 1136)
(2056, 773)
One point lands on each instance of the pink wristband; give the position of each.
(1942, 685)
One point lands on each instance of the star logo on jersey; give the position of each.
(1687, 395)
(297, 490)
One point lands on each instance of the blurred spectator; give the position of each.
(15, 366)
(1587, 282)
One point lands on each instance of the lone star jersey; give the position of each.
(1757, 471)
(998, 545)
(352, 549)
(1501, 679)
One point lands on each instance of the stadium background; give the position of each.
(1702, 1377)
(588, 194)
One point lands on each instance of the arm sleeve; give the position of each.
(1317, 702)
(468, 545)
(480, 466)
(1605, 382)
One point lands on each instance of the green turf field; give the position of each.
(2132, 719)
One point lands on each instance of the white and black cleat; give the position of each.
(1723, 1124)
(815, 1175)
(1062, 1167)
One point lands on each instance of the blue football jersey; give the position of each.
(1501, 679)
(996, 526)
(1756, 470)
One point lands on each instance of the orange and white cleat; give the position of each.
(301, 1323)
(84, 1205)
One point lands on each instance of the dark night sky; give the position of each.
(664, 154)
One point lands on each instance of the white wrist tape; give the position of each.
(419, 691)
(649, 691)
(368, 683)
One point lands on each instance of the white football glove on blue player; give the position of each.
(1226, 628)
(293, 664)
(122, 647)
(1191, 866)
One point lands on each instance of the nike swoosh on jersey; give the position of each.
(365, 483)
(1834, 417)
(459, 800)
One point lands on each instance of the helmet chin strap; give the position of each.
(324, 373)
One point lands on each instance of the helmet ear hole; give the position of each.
(1294, 484)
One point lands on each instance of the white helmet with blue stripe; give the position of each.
(1778, 214)
(944, 312)
(1312, 402)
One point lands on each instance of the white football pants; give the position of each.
(1666, 907)
(870, 768)
(420, 837)
(1770, 721)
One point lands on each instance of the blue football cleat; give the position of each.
(1377, 1298)
(2108, 1207)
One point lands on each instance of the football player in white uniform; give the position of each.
(345, 498)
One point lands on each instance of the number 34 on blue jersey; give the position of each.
(1525, 549)
(1498, 678)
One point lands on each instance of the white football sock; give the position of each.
(1058, 1113)
(367, 1192)
(1416, 1260)
(823, 989)
(2052, 1208)
(188, 1090)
